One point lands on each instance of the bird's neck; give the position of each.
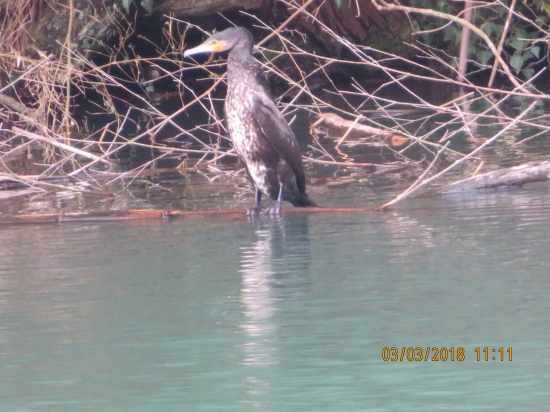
(241, 64)
(240, 53)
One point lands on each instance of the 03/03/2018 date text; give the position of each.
(443, 354)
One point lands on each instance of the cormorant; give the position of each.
(261, 136)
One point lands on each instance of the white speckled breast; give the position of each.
(249, 142)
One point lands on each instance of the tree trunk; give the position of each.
(203, 7)
(357, 20)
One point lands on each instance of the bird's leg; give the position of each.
(258, 208)
(279, 205)
(276, 211)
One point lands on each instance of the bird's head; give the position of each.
(222, 41)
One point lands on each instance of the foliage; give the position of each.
(524, 42)
(543, 5)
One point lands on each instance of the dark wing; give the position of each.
(263, 81)
(280, 135)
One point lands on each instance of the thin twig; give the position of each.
(501, 43)
(417, 185)
(55, 143)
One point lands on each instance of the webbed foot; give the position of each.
(267, 211)
(274, 211)
(256, 210)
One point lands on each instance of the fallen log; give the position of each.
(513, 176)
(8, 182)
(16, 106)
(158, 215)
(206, 7)
(341, 128)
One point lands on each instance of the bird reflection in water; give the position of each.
(275, 269)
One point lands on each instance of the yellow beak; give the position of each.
(203, 48)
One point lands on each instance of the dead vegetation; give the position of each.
(71, 116)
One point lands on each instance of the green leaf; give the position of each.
(521, 33)
(517, 44)
(528, 72)
(499, 28)
(527, 55)
(516, 62)
(147, 5)
(489, 28)
(492, 29)
(452, 34)
(338, 3)
(484, 56)
(535, 50)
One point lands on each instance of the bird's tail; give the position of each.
(302, 201)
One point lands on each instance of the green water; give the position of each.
(281, 314)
